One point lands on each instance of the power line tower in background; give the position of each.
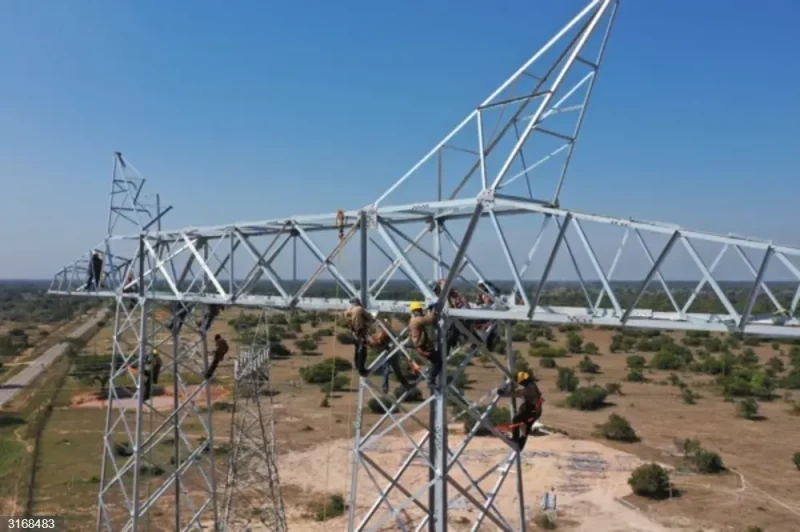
(252, 493)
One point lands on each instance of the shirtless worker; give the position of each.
(359, 321)
(529, 411)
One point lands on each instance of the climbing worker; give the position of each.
(131, 286)
(340, 223)
(455, 301)
(529, 411)
(95, 271)
(359, 321)
(221, 348)
(151, 373)
(179, 313)
(381, 341)
(420, 337)
(212, 311)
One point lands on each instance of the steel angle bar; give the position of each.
(653, 271)
(409, 268)
(384, 278)
(575, 51)
(763, 285)
(548, 266)
(575, 265)
(467, 263)
(596, 263)
(395, 482)
(201, 261)
(462, 250)
(658, 273)
(325, 263)
(710, 279)
(255, 273)
(263, 266)
(326, 260)
(703, 280)
(751, 298)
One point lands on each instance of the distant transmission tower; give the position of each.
(252, 490)
(452, 215)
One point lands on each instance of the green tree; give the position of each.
(574, 342)
(588, 366)
(567, 381)
(651, 481)
(617, 428)
(747, 408)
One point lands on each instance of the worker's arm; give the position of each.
(429, 318)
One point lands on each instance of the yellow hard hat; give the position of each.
(414, 306)
(522, 376)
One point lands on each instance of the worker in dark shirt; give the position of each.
(529, 411)
(220, 350)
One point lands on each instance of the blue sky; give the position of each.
(236, 110)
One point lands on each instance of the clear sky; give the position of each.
(250, 110)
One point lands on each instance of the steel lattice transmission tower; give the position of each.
(485, 196)
(252, 491)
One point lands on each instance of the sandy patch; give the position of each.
(587, 478)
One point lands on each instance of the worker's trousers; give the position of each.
(524, 420)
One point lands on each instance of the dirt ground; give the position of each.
(588, 476)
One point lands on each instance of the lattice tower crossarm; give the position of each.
(238, 265)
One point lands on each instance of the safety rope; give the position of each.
(340, 222)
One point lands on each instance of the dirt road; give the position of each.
(19, 381)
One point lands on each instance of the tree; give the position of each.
(636, 375)
(796, 460)
(547, 362)
(651, 481)
(707, 462)
(666, 360)
(591, 348)
(306, 344)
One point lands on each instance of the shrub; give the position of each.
(337, 384)
(574, 343)
(650, 480)
(521, 364)
(552, 352)
(617, 428)
(547, 362)
(543, 521)
(796, 460)
(636, 375)
(587, 398)
(635, 361)
(747, 408)
(792, 380)
(688, 446)
(567, 381)
(666, 360)
(375, 407)
(279, 350)
(588, 366)
(414, 395)
(688, 396)
(323, 372)
(614, 388)
(333, 507)
(345, 338)
(591, 348)
(319, 333)
(776, 346)
(707, 461)
(306, 344)
(457, 359)
(499, 415)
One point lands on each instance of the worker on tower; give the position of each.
(486, 297)
(529, 411)
(179, 313)
(381, 341)
(131, 286)
(94, 271)
(359, 321)
(220, 350)
(152, 369)
(212, 311)
(420, 338)
(455, 301)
